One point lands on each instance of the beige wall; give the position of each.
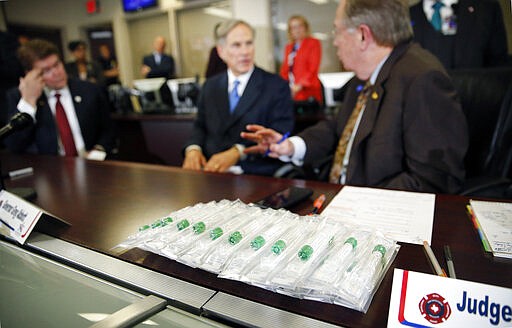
(133, 35)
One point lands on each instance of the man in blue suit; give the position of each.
(244, 94)
(44, 93)
(158, 64)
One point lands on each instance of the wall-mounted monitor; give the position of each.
(137, 5)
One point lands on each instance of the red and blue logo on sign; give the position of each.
(434, 308)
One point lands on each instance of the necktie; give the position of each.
(233, 96)
(337, 164)
(66, 136)
(436, 21)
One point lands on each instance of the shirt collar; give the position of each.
(51, 92)
(427, 4)
(243, 78)
(376, 72)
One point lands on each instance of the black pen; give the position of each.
(449, 262)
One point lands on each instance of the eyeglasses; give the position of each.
(335, 32)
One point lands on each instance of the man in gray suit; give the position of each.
(410, 132)
(244, 94)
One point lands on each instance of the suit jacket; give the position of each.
(93, 113)
(164, 69)
(412, 135)
(480, 40)
(305, 68)
(266, 100)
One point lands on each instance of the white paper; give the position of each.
(495, 218)
(404, 216)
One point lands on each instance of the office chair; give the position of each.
(486, 99)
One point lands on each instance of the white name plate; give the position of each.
(425, 300)
(17, 216)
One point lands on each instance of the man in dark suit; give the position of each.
(89, 130)
(242, 95)
(471, 34)
(408, 131)
(158, 64)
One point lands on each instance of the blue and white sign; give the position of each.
(17, 216)
(424, 300)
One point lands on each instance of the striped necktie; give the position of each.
(337, 164)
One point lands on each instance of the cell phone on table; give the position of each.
(285, 198)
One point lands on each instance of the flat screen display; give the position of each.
(136, 5)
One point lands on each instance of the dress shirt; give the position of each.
(243, 79)
(69, 108)
(446, 14)
(300, 146)
(158, 57)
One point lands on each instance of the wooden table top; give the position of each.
(107, 201)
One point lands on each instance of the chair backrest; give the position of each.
(482, 93)
(499, 159)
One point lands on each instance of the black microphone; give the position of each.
(18, 121)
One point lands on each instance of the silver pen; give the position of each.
(449, 262)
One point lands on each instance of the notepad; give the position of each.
(495, 219)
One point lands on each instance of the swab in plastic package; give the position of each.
(306, 258)
(357, 287)
(250, 249)
(228, 221)
(196, 225)
(275, 257)
(346, 245)
(216, 257)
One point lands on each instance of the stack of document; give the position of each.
(493, 221)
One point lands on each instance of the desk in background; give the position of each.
(107, 201)
(159, 139)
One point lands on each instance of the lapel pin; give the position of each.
(78, 99)
(471, 9)
(375, 95)
(41, 103)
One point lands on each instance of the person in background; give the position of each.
(243, 94)
(461, 33)
(401, 125)
(71, 116)
(301, 61)
(81, 68)
(215, 64)
(109, 65)
(158, 64)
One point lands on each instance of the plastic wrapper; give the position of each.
(250, 249)
(309, 257)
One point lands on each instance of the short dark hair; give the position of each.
(75, 44)
(34, 50)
